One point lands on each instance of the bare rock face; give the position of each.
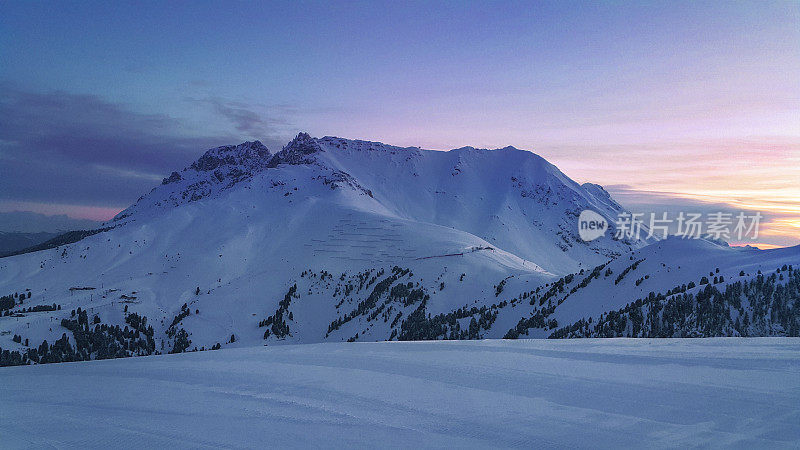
(298, 151)
(217, 170)
(249, 154)
(174, 177)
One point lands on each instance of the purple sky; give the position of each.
(669, 104)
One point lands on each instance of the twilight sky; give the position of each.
(670, 105)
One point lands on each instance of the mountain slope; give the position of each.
(668, 274)
(333, 239)
(228, 235)
(511, 198)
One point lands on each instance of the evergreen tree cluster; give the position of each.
(185, 312)
(276, 322)
(498, 289)
(139, 323)
(100, 341)
(381, 288)
(421, 326)
(539, 317)
(537, 320)
(7, 302)
(628, 269)
(182, 342)
(763, 306)
(405, 294)
(41, 308)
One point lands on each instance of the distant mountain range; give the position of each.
(31, 222)
(337, 239)
(24, 231)
(13, 241)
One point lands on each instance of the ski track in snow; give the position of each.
(529, 393)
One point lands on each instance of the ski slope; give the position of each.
(729, 392)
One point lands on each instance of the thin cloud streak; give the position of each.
(57, 148)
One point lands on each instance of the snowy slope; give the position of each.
(511, 198)
(335, 239)
(242, 272)
(731, 393)
(230, 233)
(672, 263)
(657, 268)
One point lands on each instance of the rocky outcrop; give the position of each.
(251, 154)
(298, 151)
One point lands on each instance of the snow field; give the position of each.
(512, 394)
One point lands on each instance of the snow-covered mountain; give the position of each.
(513, 199)
(336, 239)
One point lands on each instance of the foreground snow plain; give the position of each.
(731, 392)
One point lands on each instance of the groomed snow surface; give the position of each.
(730, 392)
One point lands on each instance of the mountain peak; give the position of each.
(539, 199)
(297, 151)
(302, 137)
(246, 153)
(303, 144)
